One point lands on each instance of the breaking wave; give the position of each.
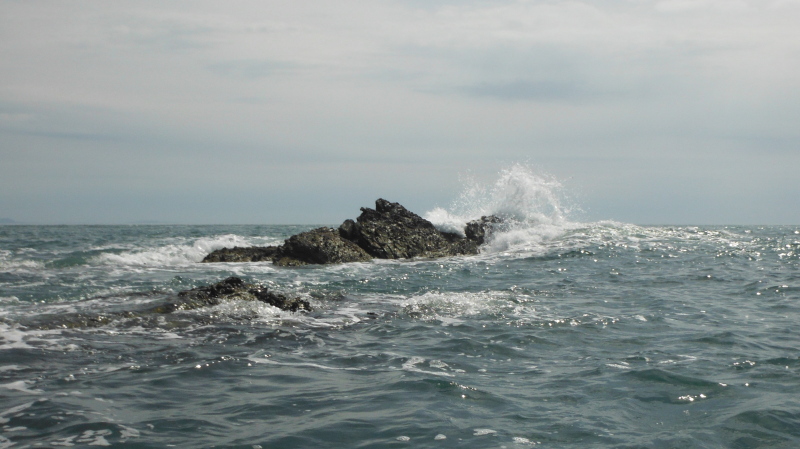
(176, 254)
(531, 204)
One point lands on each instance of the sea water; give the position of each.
(558, 334)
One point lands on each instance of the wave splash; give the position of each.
(530, 204)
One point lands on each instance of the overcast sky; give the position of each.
(650, 112)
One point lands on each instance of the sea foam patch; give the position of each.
(444, 306)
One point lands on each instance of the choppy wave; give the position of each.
(12, 262)
(559, 333)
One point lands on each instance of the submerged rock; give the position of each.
(232, 288)
(389, 231)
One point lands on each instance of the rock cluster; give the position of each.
(389, 231)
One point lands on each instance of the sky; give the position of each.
(201, 112)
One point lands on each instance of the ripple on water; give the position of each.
(655, 375)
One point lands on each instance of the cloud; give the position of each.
(15, 117)
(680, 6)
(203, 89)
(533, 91)
(251, 69)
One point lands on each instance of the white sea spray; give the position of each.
(531, 204)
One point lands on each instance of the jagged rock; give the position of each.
(476, 230)
(390, 231)
(245, 254)
(319, 246)
(232, 288)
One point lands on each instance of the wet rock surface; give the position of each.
(319, 246)
(390, 231)
(232, 288)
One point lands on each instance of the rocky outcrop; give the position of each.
(232, 288)
(389, 231)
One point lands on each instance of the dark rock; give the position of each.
(319, 246)
(232, 288)
(247, 254)
(281, 301)
(349, 230)
(476, 230)
(390, 231)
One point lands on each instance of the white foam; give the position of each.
(258, 359)
(447, 306)
(446, 221)
(12, 337)
(523, 238)
(175, 254)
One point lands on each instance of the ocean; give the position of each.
(559, 334)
